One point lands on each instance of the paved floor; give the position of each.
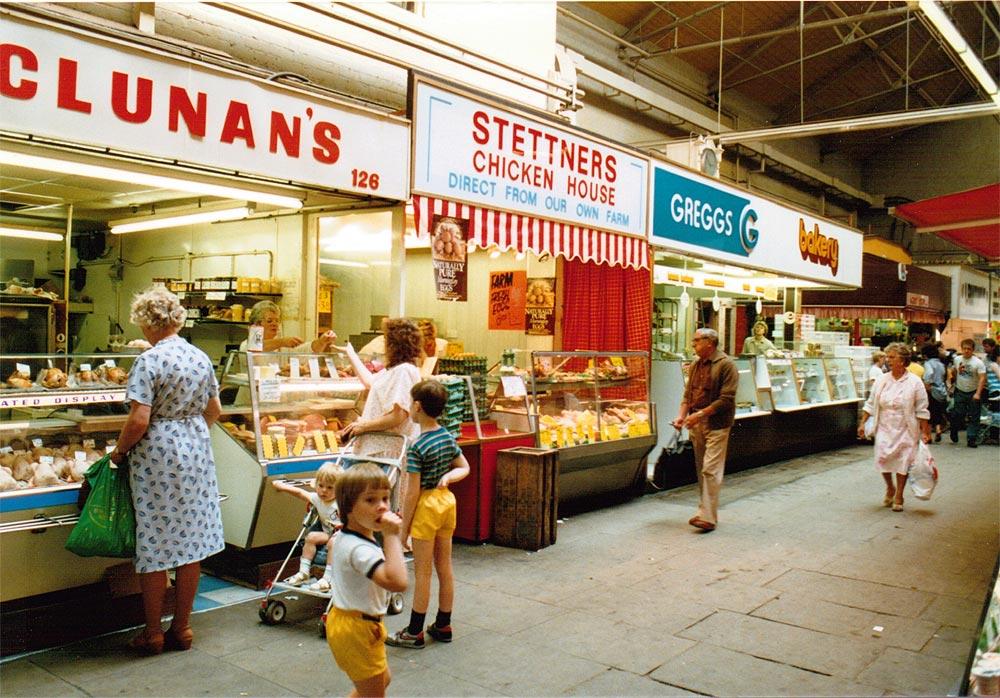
(808, 587)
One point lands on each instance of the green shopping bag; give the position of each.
(107, 522)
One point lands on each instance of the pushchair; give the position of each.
(387, 450)
(989, 422)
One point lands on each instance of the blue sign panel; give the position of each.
(689, 211)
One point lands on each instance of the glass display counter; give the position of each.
(747, 400)
(593, 407)
(784, 390)
(810, 378)
(840, 374)
(58, 414)
(299, 404)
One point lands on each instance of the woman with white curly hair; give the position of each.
(174, 399)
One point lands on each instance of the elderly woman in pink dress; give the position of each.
(898, 402)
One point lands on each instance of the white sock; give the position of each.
(328, 572)
(305, 565)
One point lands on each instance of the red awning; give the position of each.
(970, 219)
(512, 231)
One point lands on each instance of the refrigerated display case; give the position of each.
(58, 414)
(784, 391)
(840, 373)
(593, 407)
(810, 377)
(748, 402)
(298, 405)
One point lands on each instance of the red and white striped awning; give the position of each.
(513, 231)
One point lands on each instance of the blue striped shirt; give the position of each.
(431, 455)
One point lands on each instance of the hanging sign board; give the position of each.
(694, 214)
(472, 151)
(69, 86)
(448, 256)
(540, 306)
(507, 300)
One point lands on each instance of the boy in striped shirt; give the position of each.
(433, 462)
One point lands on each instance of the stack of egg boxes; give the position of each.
(451, 417)
(474, 367)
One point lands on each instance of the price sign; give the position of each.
(46, 460)
(36, 442)
(110, 363)
(330, 367)
(6, 449)
(215, 296)
(269, 390)
(85, 367)
(314, 369)
(513, 386)
(80, 455)
(25, 369)
(293, 368)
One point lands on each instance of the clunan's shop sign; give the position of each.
(699, 215)
(71, 87)
(474, 152)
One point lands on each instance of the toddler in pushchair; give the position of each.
(321, 523)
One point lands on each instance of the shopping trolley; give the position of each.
(386, 449)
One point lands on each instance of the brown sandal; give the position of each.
(147, 643)
(178, 639)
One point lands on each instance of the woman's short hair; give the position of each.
(262, 308)
(759, 323)
(901, 350)
(157, 308)
(404, 342)
(354, 482)
(877, 356)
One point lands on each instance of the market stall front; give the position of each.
(501, 189)
(126, 166)
(717, 246)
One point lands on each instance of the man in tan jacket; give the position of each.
(708, 410)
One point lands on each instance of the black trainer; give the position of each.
(954, 436)
(439, 634)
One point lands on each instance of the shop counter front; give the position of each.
(475, 493)
(785, 408)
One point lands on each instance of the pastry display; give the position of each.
(22, 467)
(17, 379)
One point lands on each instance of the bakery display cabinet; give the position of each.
(58, 414)
(594, 408)
(840, 375)
(298, 404)
(784, 390)
(747, 397)
(810, 378)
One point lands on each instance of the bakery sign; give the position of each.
(694, 214)
(56, 83)
(475, 152)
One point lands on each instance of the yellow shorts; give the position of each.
(358, 644)
(435, 514)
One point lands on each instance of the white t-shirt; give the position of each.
(392, 387)
(327, 512)
(355, 559)
(874, 373)
(967, 372)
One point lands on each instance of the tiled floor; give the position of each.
(215, 593)
(808, 587)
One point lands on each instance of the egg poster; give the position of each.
(540, 306)
(449, 236)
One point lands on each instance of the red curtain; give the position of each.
(606, 308)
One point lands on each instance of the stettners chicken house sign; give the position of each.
(72, 87)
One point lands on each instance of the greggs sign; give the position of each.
(694, 214)
(60, 84)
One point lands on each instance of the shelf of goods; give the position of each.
(593, 407)
(222, 307)
(283, 424)
(58, 414)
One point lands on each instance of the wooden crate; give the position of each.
(525, 505)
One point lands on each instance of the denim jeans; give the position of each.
(965, 408)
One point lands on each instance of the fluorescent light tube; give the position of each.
(71, 167)
(342, 262)
(134, 225)
(933, 12)
(30, 234)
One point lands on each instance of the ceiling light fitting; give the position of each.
(71, 167)
(342, 263)
(30, 234)
(134, 225)
(943, 25)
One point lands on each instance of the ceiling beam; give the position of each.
(680, 22)
(822, 24)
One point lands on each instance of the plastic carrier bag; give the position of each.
(107, 522)
(923, 473)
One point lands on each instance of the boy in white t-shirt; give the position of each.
(967, 376)
(363, 574)
(324, 502)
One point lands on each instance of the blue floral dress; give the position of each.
(171, 469)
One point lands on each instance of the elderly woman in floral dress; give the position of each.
(898, 402)
(174, 399)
